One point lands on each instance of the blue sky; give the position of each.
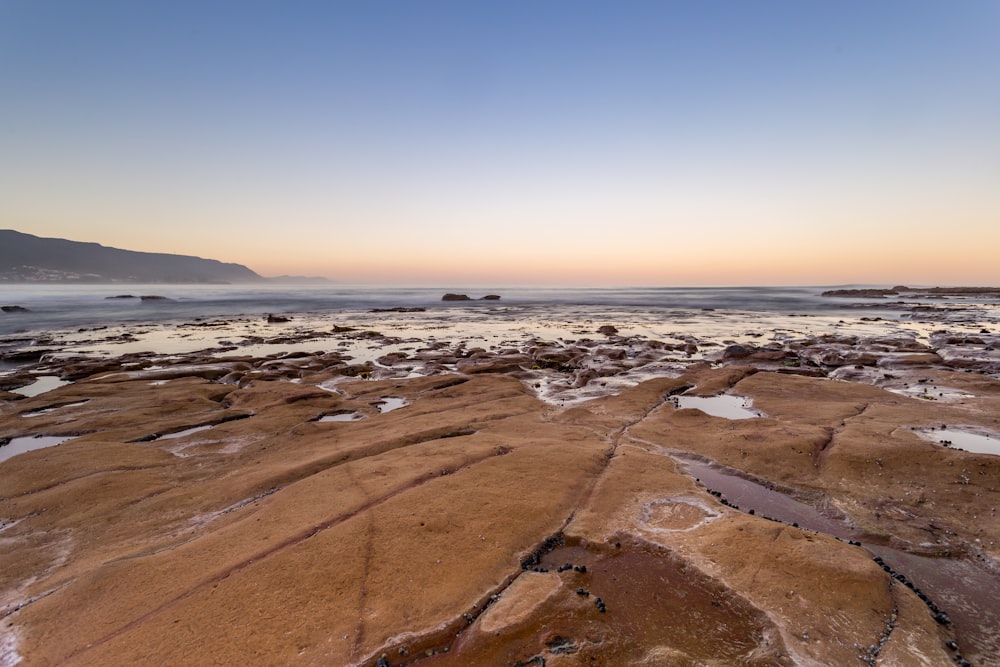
(557, 142)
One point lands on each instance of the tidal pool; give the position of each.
(47, 411)
(962, 588)
(29, 442)
(726, 406)
(42, 384)
(390, 403)
(970, 442)
(187, 431)
(342, 417)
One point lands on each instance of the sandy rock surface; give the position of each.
(237, 512)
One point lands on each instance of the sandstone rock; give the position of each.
(444, 528)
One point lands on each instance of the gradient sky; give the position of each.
(672, 143)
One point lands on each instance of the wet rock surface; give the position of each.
(501, 499)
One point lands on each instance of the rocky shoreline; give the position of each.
(498, 494)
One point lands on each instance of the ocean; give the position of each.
(50, 307)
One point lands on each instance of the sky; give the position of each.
(714, 142)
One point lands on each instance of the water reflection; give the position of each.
(726, 406)
(966, 591)
(30, 442)
(42, 384)
(970, 442)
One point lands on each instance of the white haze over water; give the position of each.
(64, 306)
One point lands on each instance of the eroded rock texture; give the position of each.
(478, 525)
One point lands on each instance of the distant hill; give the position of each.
(28, 258)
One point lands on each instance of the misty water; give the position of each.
(61, 306)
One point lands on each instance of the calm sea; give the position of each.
(59, 307)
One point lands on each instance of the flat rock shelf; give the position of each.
(498, 496)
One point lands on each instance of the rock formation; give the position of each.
(481, 526)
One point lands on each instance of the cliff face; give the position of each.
(28, 258)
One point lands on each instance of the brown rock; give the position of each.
(274, 538)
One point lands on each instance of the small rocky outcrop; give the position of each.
(14, 309)
(397, 309)
(465, 297)
(861, 293)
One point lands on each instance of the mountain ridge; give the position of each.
(29, 258)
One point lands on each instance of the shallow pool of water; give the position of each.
(970, 442)
(42, 384)
(187, 431)
(390, 403)
(750, 495)
(342, 417)
(48, 411)
(28, 443)
(726, 406)
(963, 589)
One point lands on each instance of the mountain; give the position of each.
(28, 258)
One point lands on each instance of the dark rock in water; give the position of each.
(737, 352)
(397, 309)
(154, 297)
(14, 309)
(276, 319)
(511, 364)
(491, 297)
(122, 296)
(28, 355)
(455, 297)
(607, 330)
(392, 358)
(863, 293)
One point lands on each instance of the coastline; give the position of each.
(524, 437)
